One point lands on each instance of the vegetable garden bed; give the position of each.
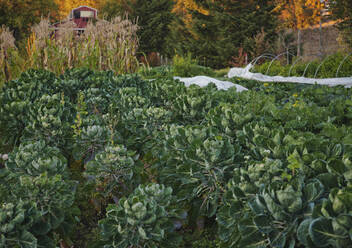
(98, 160)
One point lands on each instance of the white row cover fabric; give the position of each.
(203, 81)
(246, 74)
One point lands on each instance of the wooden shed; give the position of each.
(80, 16)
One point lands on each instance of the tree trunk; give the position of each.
(298, 42)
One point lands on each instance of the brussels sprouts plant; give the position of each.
(50, 118)
(35, 158)
(271, 218)
(199, 162)
(143, 219)
(53, 197)
(113, 168)
(90, 140)
(16, 221)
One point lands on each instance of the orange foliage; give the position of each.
(298, 14)
(182, 8)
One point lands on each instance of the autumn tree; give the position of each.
(299, 14)
(184, 8)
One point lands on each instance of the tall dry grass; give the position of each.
(103, 46)
(7, 53)
(111, 45)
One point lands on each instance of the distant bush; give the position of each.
(155, 72)
(182, 67)
(326, 68)
(188, 67)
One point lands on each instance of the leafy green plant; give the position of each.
(326, 68)
(272, 165)
(113, 169)
(155, 72)
(16, 101)
(53, 197)
(50, 118)
(16, 221)
(270, 218)
(198, 163)
(332, 223)
(144, 219)
(35, 158)
(91, 139)
(188, 67)
(43, 208)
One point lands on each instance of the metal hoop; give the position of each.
(268, 55)
(265, 55)
(278, 56)
(317, 70)
(342, 62)
(299, 59)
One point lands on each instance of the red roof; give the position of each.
(80, 16)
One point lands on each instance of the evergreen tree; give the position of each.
(112, 8)
(342, 10)
(154, 17)
(215, 35)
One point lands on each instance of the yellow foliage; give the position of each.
(30, 47)
(182, 8)
(299, 14)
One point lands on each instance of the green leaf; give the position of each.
(290, 199)
(253, 240)
(257, 205)
(45, 242)
(238, 192)
(322, 232)
(275, 209)
(344, 220)
(329, 180)
(313, 190)
(27, 240)
(263, 223)
(278, 239)
(336, 166)
(294, 161)
(42, 228)
(303, 231)
(347, 140)
(142, 233)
